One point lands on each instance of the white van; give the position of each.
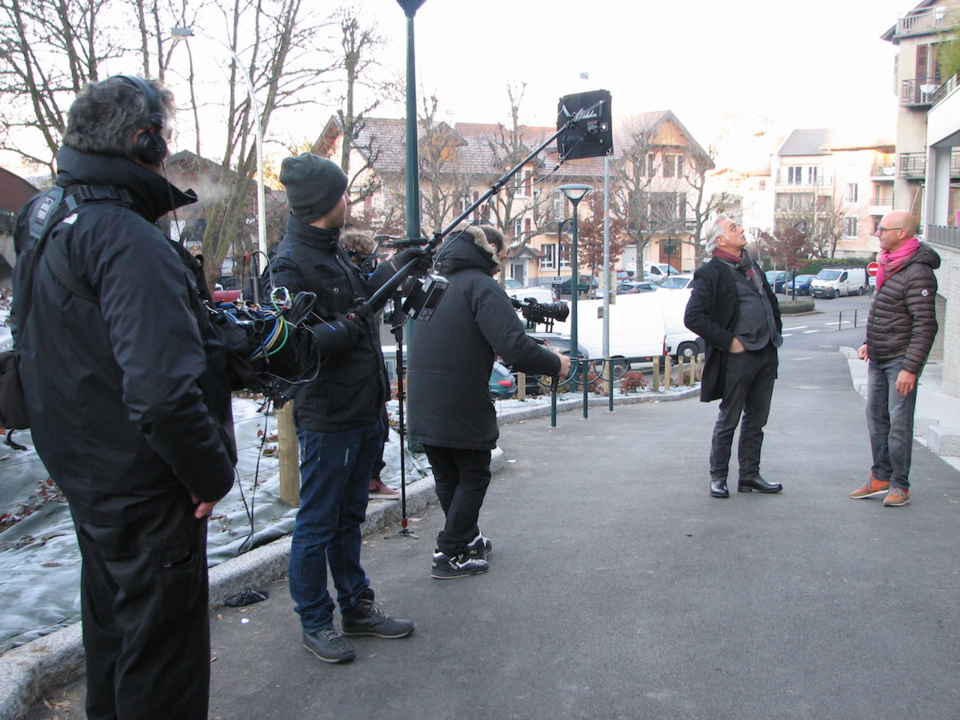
(655, 272)
(834, 282)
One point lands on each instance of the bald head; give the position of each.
(895, 229)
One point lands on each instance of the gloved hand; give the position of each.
(336, 335)
(423, 255)
(388, 268)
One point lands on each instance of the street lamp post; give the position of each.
(574, 193)
(410, 8)
(185, 33)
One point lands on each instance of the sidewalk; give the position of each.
(620, 589)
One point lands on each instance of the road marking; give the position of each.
(798, 327)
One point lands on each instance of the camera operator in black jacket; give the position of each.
(129, 405)
(450, 410)
(338, 415)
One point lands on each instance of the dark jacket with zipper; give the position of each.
(451, 354)
(351, 386)
(712, 313)
(902, 319)
(124, 403)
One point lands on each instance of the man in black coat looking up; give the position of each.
(450, 410)
(734, 310)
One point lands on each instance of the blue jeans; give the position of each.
(335, 472)
(890, 422)
(747, 392)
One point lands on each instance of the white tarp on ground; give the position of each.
(39, 557)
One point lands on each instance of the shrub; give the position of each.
(792, 307)
(632, 380)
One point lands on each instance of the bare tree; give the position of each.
(631, 194)
(590, 232)
(365, 90)
(701, 206)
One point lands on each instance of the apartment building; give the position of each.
(919, 86)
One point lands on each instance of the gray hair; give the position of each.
(105, 117)
(711, 231)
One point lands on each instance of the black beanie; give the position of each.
(314, 185)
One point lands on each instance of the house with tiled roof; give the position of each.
(460, 162)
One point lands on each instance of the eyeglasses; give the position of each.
(881, 229)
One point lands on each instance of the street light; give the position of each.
(185, 33)
(410, 8)
(575, 193)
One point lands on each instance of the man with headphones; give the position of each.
(127, 404)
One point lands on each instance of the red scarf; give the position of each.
(891, 262)
(744, 263)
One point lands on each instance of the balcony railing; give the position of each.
(885, 171)
(919, 93)
(947, 235)
(928, 21)
(913, 166)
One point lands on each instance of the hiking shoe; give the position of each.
(480, 547)
(896, 497)
(871, 488)
(364, 619)
(462, 565)
(328, 645)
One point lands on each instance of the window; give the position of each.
(669, 166)
(517, 228)
(651, 165)
(794, 175)
(813, 174)
(851, 226)
(852, 193)
(522, 184)
(762, 186)
(549, 259)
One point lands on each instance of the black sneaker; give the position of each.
(328, 645)
(462, 565)
(364, 619)
(480, 548)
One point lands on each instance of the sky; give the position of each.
(817, 63)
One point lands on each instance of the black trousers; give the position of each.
(146, 628)
(748, 390)
(462, 477)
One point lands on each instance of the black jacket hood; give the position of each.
(468, 248)
(153, 195)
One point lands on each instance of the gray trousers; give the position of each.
(747, 391)
(890, 423)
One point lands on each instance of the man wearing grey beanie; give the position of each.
(338, 415)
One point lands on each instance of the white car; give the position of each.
(676, 282)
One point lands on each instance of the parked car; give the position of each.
(511, 283)
(540, 295)
(585, 284)
(228, 296)
(631, 287)
(677, 282)
(802, 283)
(503, 383)
(777, 279)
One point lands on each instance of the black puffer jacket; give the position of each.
(451, 354)
(113, 388)
(903, 319)
(351, 387)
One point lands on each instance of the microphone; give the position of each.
(392, 241)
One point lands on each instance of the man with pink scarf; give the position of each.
(901, 327)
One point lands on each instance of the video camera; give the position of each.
(544, 313)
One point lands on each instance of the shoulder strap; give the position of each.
(56, 205)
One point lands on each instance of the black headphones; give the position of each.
(151, 146)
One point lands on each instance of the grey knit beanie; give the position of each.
(314, 185)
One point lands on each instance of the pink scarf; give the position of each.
(889, 262)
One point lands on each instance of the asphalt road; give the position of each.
(620, 589)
